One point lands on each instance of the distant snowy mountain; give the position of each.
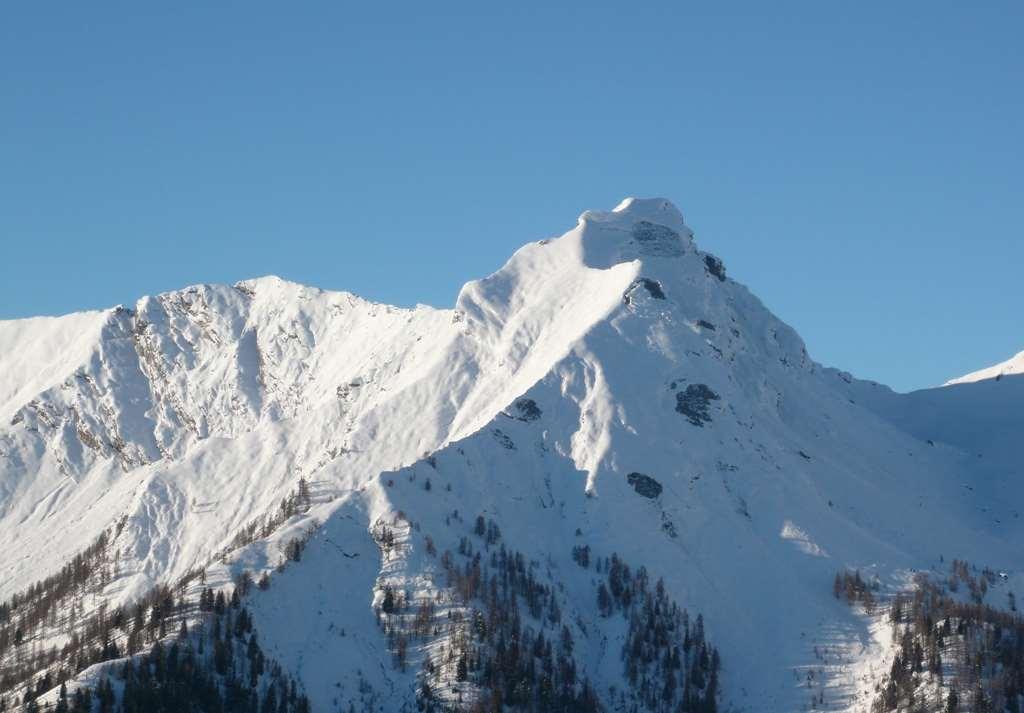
(502, 506)
(1013, 365)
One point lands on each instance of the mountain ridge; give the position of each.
(610, 389)
(1013, 365)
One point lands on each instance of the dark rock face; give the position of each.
(657, 240)
(503, 440)
(653, 288)
(526, 410)
(644, 485)
(704, 324)
(715, 267)
(693, 403)
(668, 527)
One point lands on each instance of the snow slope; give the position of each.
(553, 399)
(1013, 365)
(981, 419)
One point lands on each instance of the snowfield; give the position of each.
(1013, 365)
(611, 388)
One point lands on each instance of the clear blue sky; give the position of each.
(858, 165)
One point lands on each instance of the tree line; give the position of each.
(216, 666)
(56, 606)
(952, 656)
(669, 663)
(498, 640)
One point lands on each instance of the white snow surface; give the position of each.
(198, 410)
(1013, 365)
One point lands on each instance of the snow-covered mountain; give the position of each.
(1013, 365)
(607, 392)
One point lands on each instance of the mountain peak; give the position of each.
(658, 210)
(635, 229)
(1013, 365)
